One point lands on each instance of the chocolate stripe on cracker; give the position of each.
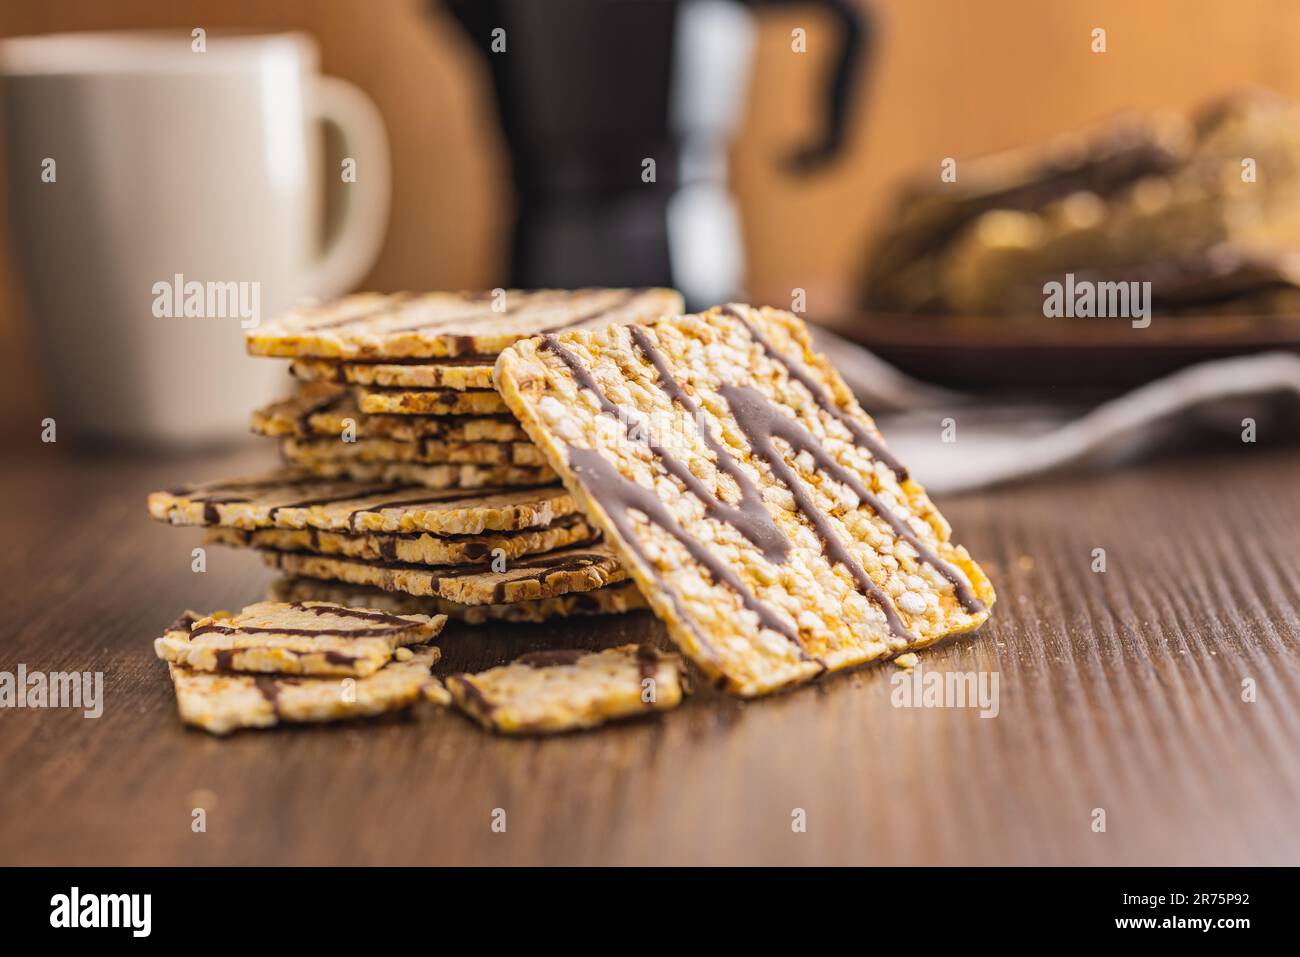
(796, 370)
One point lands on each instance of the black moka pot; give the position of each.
(617, 115)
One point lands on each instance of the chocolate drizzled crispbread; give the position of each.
(222, 702)
(301, 638)
(608, 600)
(442, 324)
(413, 547)
(322, 410)
(450, 475)
(413, 484)
(746, 492)
(291, 498)
(376, 401)
(564, 690)
(576, 569)
(465, 372)
(425, 357)
(445, 546)
(425, 451)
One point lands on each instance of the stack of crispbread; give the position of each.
(521, 554)
(309, 661)
(398, 388)
(713, 463)
(407, 473)
(283, 662)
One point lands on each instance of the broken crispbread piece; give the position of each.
(221, 702)
(292, 498)
(551, 691)
(299, 638)
(419, 547)
(581, 568)
(746, 492)
(437, 324)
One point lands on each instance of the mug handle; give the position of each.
(354, 249)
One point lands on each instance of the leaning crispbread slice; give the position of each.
(746, 492)
(437, 324)
(551, 691)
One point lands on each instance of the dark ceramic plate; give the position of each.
(1000, 354)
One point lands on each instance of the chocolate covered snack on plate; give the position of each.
(746, 492)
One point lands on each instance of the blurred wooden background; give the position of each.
(949, 78)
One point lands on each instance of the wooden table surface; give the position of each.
(1119, 690)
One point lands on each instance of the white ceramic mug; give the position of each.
(144, 164)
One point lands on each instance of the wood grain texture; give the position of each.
(1119, 690)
